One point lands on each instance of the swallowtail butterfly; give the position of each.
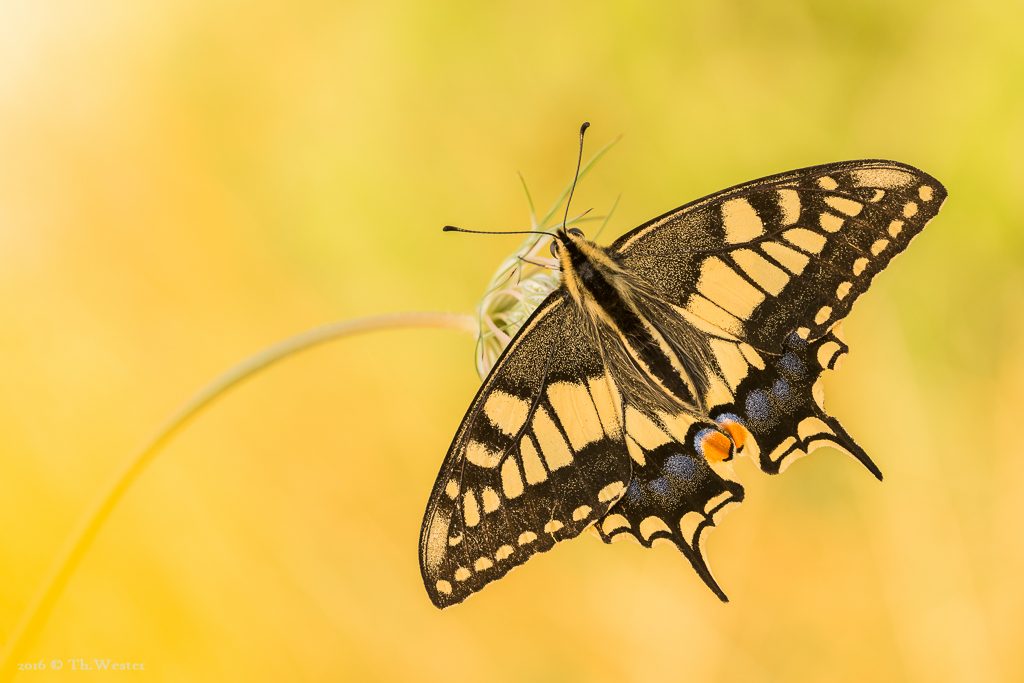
(699, 336)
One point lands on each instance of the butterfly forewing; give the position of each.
(540, 456)
(790, 252)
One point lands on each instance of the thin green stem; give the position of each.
(38, 609)
(607, 218)
(529, 202)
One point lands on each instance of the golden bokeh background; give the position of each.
(184, 183)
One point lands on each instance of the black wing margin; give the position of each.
(539, 457)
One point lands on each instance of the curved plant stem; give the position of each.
(81, 537)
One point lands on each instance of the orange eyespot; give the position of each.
(715, 446)
(737, 433)
(735, 429)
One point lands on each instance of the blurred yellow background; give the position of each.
(185, 183)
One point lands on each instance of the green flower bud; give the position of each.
(520, 284)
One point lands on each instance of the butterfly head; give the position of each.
(561, 236)
(578, 258)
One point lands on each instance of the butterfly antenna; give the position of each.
(452, 228)
(579, 162)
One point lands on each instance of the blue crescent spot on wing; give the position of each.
(758, 406)
(662, 488)
(781, 388)
(791, 364)
(726, 418)
(680, 467)
(634, 492)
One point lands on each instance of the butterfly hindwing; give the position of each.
(786, 253)
(539, 457)
(681, 488)
(777, 414)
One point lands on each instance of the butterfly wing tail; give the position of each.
(837, 437)
(779, 415)
(679, 493)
